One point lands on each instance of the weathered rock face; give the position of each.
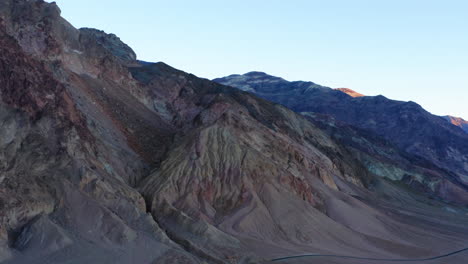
(104, 159)
(65, 156)
(112, 43)
(405, 124)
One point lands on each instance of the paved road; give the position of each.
(373, 259)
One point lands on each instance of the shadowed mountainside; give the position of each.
(405, 124)
(457, 121)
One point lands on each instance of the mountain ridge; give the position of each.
(457, 121)
(349, 92)
(393, 120)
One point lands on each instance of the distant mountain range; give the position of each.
(405, 124)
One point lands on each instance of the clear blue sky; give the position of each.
(404, 49)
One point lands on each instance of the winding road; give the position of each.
(373, 259)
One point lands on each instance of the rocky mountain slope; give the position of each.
(349, 92)
(457, 121)
(405, 124)
(107, 159)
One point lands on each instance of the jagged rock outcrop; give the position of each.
(105, 159)
(111, 43)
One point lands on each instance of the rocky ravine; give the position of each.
(106, 159)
